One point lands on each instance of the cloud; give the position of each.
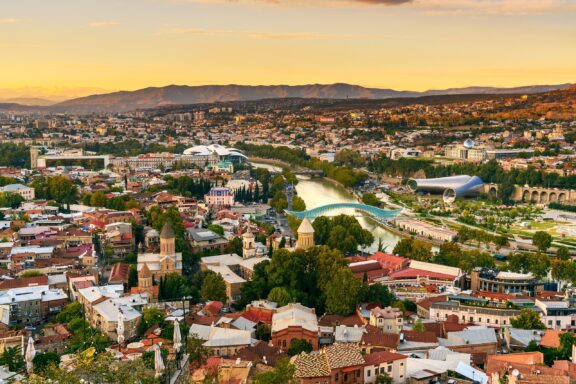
(9, 21)
(103, 24)
(429, 7)
(493, 7)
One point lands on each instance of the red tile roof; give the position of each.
(376, 358)
(389, 261)
(413, 273)
(258, 315)
(422, 337)
(24, 282)
(214, 307)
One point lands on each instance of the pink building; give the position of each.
(221, 197)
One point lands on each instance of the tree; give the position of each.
(298, 346)
(418, 326)
(13, 358)
(280, 295)
(70, 312)
(216, 229)
(31, 274)
(283, 373)
(213, 288)
(298, 204)
(279, 201)
(342, 293)
(413, 249)
(197, 351)
(62, 190)
(133, 277)
(369, 198)
(10, 200)
(263, 332)
(542, 240)
(377, 294)
(384, 379)
(43, 360)
(151, 316)
(103, 368)
(563, 253)
(174, 286)
(98, 199)
(234, 246)
(527, 319)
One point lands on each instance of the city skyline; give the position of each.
(62, 50)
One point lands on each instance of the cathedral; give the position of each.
(165, 262)
(305, 235)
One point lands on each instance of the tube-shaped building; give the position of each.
(451, 188)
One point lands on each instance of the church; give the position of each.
(304, 241)
(164, 263)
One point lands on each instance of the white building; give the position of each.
(221, 341)
(27, 193)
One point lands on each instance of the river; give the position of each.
(317, 192)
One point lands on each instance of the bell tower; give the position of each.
(167, 240)
(248, 245)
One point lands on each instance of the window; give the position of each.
(368, 372)
(381, 369)
(550, 322)
(496, 321)
(336, 377)
(389, 368)
(504, 322)
(357, 373)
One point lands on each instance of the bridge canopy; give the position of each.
(322, 210)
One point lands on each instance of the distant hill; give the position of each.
(180, 95)
(28, 101)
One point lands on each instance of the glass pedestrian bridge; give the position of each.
(370, 210)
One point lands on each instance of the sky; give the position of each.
(68, 48)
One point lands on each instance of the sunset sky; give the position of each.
(65, 48)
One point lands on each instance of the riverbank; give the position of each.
(277, 163)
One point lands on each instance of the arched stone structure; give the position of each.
(552, 198)
(543, 197)
(526, 196)
(534, 197)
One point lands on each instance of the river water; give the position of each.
(317, 192)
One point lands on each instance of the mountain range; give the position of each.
(180, 95)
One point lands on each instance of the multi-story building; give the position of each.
(425, 230)
(558, 315)
(30, 305)
(294, 321)
(388, 319)
(235, 270)
(478, 311)
(336, 364)
(202, 239)
(386, 363)
(219, 197)
(221, 342)
(27, 193)
(485, 279)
